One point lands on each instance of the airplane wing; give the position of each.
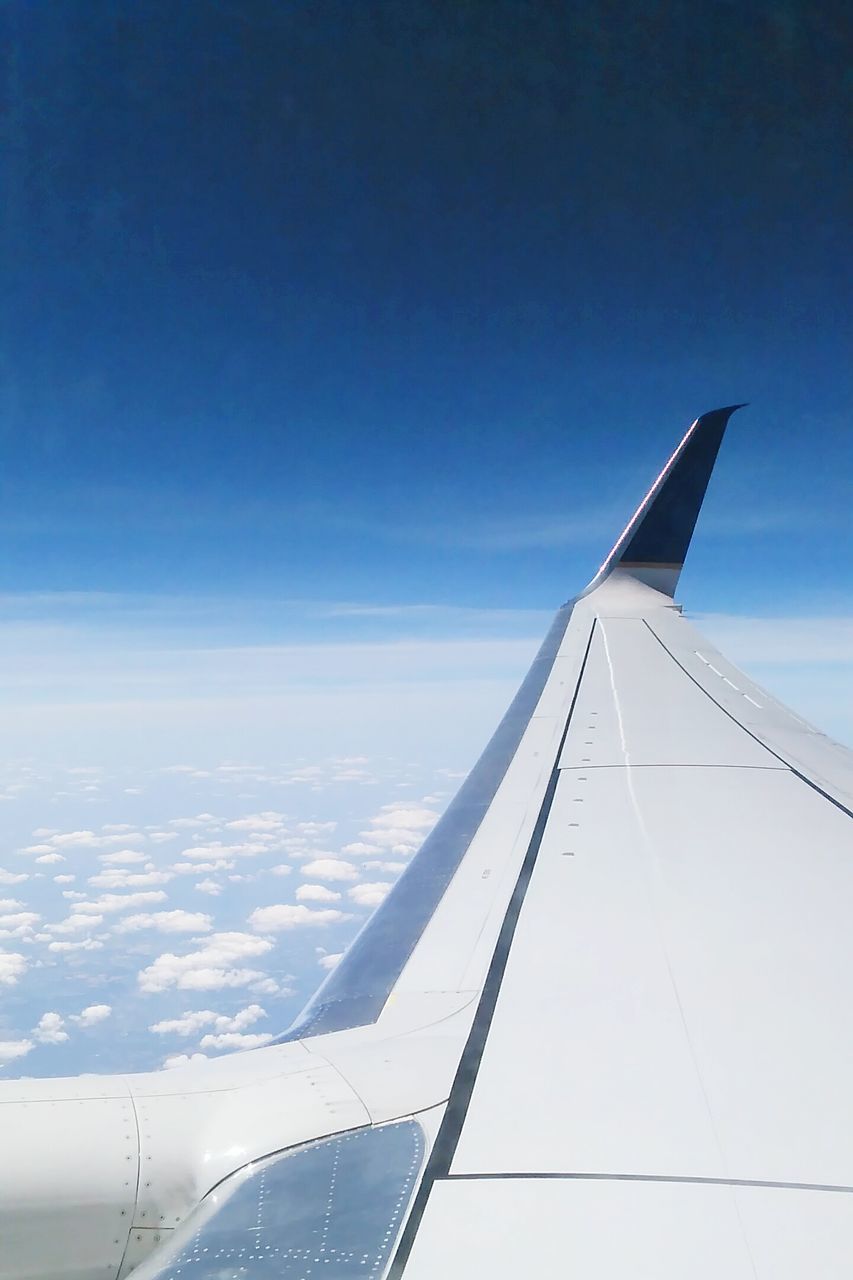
(602, 1024)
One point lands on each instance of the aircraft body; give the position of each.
(600, 1027)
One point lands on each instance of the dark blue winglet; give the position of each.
(659, 533)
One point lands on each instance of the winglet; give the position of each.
(654, 544)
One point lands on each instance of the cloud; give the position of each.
(18, 924)
(217, 850)
(49, 1029)
(64, 879)
(111, 902)
(286, 916)
(121, 856)
(212, 967)
(87, 944)
(267, 821)
(393, 867)
(193, 1021)
(396, 828)
(269, 987)
(10, 904)
(166, 922)
(88, 840)
(182, 1060)
(92, 1015)
(12, 967)
(199, 868)
(328, 962)
(209, 886)
(370, 894)
(316, 828)
(76, 922)
(48, 858)
(116, 878)
(234, 1040)
(330, 869)
(200, 820)
(11, 1049)
(9, 877)
(316, 893)
(282, 869)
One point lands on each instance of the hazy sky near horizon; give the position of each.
(337, 343)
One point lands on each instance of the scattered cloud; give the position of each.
(50, 1029)
(329, 961)
(166, 922)
(11, 1049)
(370, 894)
(258, 822)
(235, 1040)
(92, 1015)
(393, 868)
(212, 967)
(193, 1021)
(287, 916)
(116, 878)
(211, 887)
(88, 840)
(18, 924)
(398, 828)
(12, 967)
(9, 877)
(112, 902)
(86, 944)
(76, 922)
(330, 869)
(316, 893)
(182, 1060)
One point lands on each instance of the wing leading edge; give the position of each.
(652, 550)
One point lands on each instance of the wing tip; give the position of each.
(654, 544)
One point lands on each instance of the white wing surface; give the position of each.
(601, 1026)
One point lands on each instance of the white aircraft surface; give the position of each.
(602, 1026)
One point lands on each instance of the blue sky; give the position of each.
(337, 343)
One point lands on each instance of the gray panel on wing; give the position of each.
(636, 707)
(679, 985)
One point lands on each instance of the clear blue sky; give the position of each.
(338, 341)
(406, 301)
